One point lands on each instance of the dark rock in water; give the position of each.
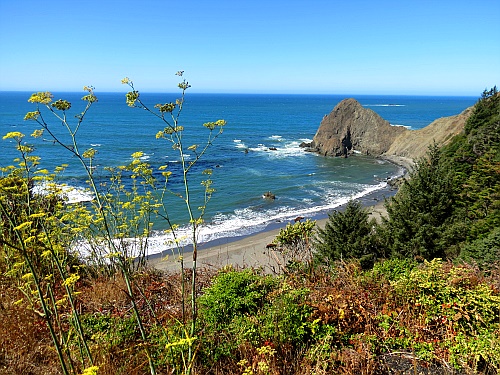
(273, 149)
(305, 144)
(268, 195)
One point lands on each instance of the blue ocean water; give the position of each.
(258, 151)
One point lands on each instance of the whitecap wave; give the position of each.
(239, 143)
(284, 150)
(384, 105)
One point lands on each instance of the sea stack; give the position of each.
(351, 127)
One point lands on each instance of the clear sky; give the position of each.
(435, 47)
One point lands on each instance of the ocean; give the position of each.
(257, 152)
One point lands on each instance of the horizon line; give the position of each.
(250, 93)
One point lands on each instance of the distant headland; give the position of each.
(352, 128)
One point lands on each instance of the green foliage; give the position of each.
(420, 211)
(242, 308)
(347, 234)
(286, 319)
(447, 292)
(393, 269)
(109, 332)
(295, 242)
(234, 293)
(455, 298)
(484, 251)
(225, 307)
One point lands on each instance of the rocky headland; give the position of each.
(352, 128)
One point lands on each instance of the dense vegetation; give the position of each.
(417, 293)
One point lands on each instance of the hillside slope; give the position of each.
(352, 128)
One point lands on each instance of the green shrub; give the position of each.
(234, 293)
(286, 319)
(393, 269)
(461, 308)
(484, 251)
(107, 331)
(225, 307)
(243, 308)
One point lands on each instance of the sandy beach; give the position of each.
(251, 251)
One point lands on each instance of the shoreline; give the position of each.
(250, 250)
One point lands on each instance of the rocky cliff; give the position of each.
(352, 128)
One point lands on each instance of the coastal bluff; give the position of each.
(350, 127)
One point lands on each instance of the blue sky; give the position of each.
(424, 47)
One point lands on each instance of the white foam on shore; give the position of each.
(403, 126)
(246, 221)
(69, 194)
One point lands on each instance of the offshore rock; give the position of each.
(268, 195)
(352, 128)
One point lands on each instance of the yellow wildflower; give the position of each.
(41, 97)
(16, 135)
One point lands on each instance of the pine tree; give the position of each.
(347, 234)
(420, 210)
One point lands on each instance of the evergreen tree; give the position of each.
(418, 214)
(474, 158)
(347, 234)
(485, 251)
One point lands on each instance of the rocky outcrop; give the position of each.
(352, 128)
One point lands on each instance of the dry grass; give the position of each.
(25, 344)
(348, 300)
